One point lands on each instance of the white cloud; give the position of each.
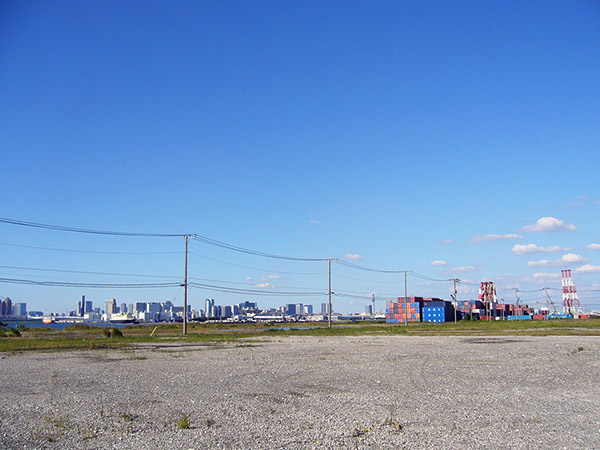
(548, 225)
(594, 246)
(569, 258)
(249, 279)
(438, 263)
(545, 275)
(463, 269)
(314, 221)
(532, 248)
(494, 237)
(446, 241)
(272, 277)
(464, 290)
(264, 285)
(353, 257)
(587, 268)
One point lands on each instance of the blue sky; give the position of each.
(394, 133)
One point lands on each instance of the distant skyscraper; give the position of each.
(369, 309)
(89, 307)
(323, 308)
(19, 310)
(123, 308)
(81, 306)
(6, 307)
(111, 306)
(208, 306)
(308, 309)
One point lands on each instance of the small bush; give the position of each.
(116, 333)
(106, 332)
(184, 422)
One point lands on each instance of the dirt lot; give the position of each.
(309, 392)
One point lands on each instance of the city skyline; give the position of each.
(449, 140)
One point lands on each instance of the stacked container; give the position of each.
(400, 311)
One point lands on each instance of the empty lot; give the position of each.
(308, 392)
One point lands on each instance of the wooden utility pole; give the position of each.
(455, 280)
(185, 286)
(329, 312)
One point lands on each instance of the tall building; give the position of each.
(323, 308)
(208, 307)
(19, 310)
(123, 309)
(89, 307)
(81, 306)
(6, 307)
(111, 306)
(369, 309)
(308, 309)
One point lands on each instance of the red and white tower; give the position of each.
(487, 294)
(571, 303)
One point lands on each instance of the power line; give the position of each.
(235, 248)
(88, 273)
(356, 266)
(89, 285)
(83, 230)
(255, 268)
(252, 291)
(424, 277)
(88, 251)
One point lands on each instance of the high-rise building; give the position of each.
(323, 308)
(111, 306)
(19, 309)
(123, 309)
(89, 307)
(208, 307)
(369, 309)
(81, 306)
(6, 307)
(308, 309)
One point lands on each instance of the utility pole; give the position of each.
(455, 280)
(329, 312)
(185, 283)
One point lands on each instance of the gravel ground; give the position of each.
(308, 392)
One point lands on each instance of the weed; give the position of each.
(127, 417)
(87, 434)
(210, 422)
(391, 420)
(306, 425)
(106, 332)
(360, 431)
(184, 422)
(579, 349)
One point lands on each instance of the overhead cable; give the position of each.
(89, 251)
(356, 266)
(89, 285)
(235, 248)
(254, 268)
(84, 230)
